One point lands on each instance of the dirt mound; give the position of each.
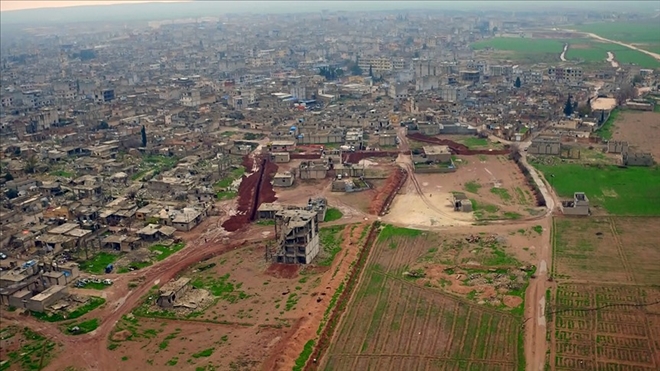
(457, 148)
(121, 335)
(253, 191)
(279, 270)
(266, 192)
(248, 163)
(512, 301)
(305, 156)
(355, 157)
(385, 195)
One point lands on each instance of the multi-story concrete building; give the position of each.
(297, 235)
(565, 74)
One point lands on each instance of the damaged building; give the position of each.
(297, 236)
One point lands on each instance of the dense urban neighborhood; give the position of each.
(330, 189)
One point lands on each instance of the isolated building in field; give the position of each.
(615, 146)
(578, 206)
(461, 202)
(297, 236)
(170, 291)
(638, 159)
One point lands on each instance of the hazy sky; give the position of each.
(29, 4)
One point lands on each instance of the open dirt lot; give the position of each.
(494, 183)
(640, 129)
(604, 312)
(397, 322)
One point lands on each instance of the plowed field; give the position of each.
(394, 324)
(605, 312)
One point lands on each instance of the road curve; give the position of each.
(594, 36)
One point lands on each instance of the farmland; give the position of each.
(618, 191)
(605, 311)
(635, 33)
(641, 129)
(522, 49)
(521, 45)
(397, 322)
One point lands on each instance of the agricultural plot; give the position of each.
(605, 312)
(522, 49)
(588, 249)
(605, 327)
(394, 323)
(618, 191)
(631, 32)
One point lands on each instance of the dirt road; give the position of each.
(90, 350)
(633, 47)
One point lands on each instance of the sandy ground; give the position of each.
(603, 103)
(432, 206)
(640, 129)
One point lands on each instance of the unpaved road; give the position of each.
(562, 56)
(633, 47)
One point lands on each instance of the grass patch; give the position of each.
(332, 214)
(473, 142)
(83, 327)
(93, 303)
(265, 222)
(330, 238)
(165, 251)
(502, 192)
(97, 264)
(472, 187)
(636, 190)
(607, 129)
(221, 287)
(538, 229)
(29, 355)
(304, 356)
(204, 353)
(62, 173)
(230, 178)
(390, 231)
(291, 301)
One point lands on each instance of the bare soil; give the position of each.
(640, 129)
(432, 206)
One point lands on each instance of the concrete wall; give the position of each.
(545, 148)
(434, 170)
(578, 210)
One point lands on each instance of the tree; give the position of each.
(568, 107)
(517, 84)
(625, 93)
(356, 70)
(143, 131)
(637, 79)
(8, 176)
(11, 193)
(602, 117)
(371, 71)
(31, 164)
(103, 125)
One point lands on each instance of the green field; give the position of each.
(591, 50)
(607, 129)
(620, 191)
(631, 32)
(521, 45)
